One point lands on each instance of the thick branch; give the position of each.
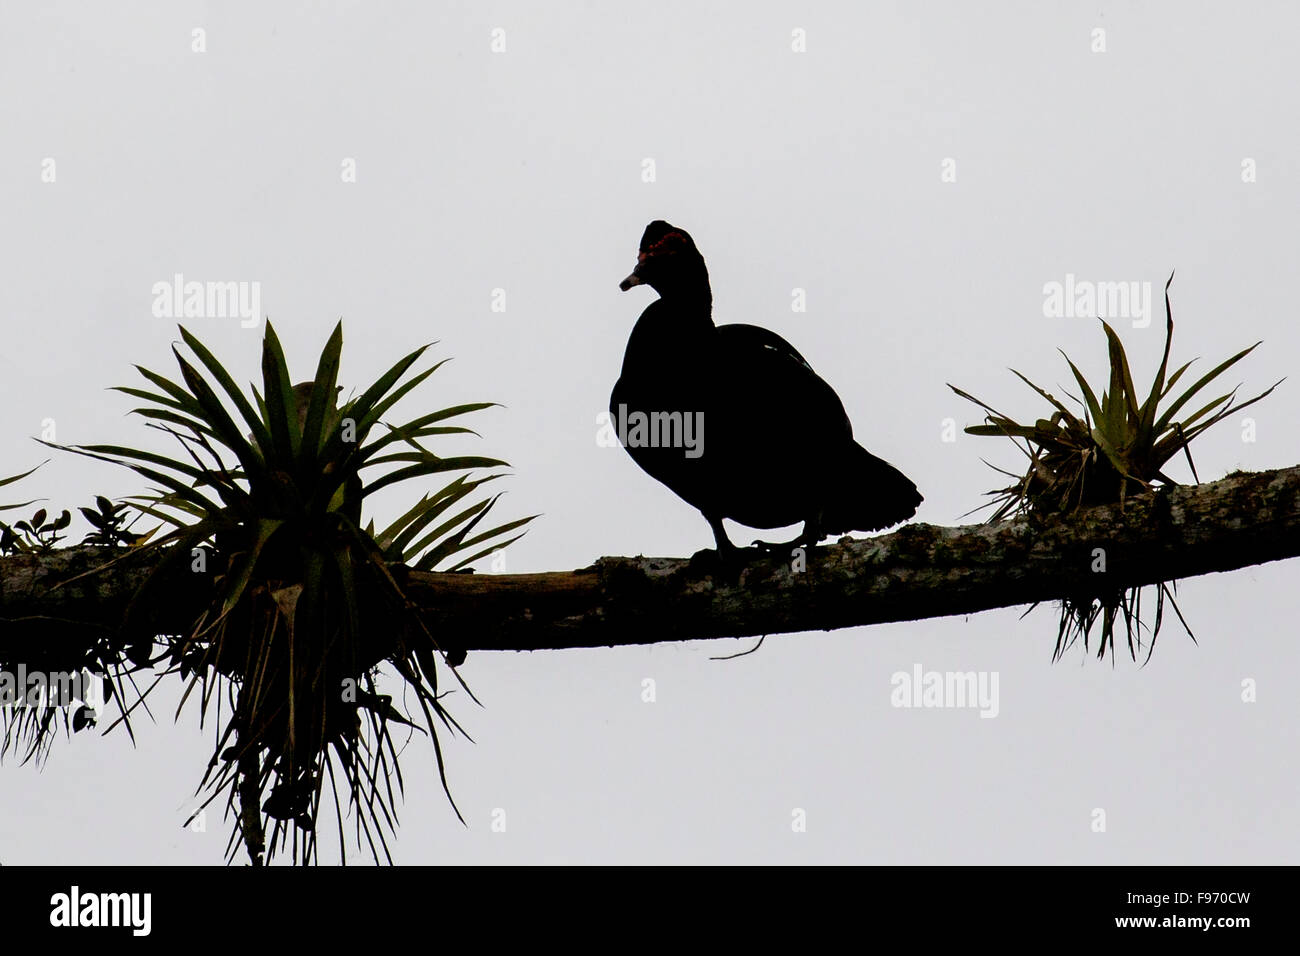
(920, 571)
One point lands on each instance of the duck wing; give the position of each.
(785, 422)
(786, 399)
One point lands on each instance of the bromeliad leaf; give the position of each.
(1118, 449)
(266, 503)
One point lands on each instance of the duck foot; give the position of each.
(785, 547)
(728, 561)
(808, 538)
(773, 547)
(725, 560)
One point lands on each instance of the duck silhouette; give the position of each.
(734, 420)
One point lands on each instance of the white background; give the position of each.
(819, 170)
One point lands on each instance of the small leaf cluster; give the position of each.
(1102, 451)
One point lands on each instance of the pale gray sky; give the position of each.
(821, 170)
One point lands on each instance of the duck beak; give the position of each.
(635, 277)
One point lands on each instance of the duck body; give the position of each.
(762, 439)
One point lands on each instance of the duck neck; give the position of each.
(689, 291)
(668, 329)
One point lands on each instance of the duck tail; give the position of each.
(871, 495)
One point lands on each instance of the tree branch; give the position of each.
(921, 571)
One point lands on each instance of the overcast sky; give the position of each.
(922, 174)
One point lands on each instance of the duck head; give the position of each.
(669, 263)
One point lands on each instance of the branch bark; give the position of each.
(921, 571)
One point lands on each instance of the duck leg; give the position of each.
(724, 545)
(727, 559)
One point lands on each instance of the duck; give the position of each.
(734, 420)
